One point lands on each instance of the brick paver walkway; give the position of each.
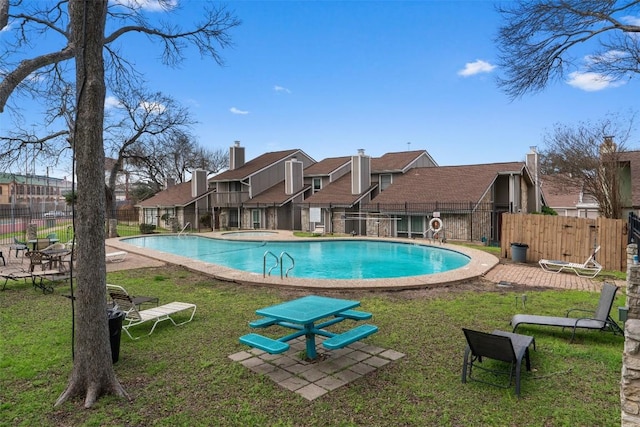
(533, 275)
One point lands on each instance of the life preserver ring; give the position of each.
(435, 224)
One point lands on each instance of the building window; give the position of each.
(403, 224)
(233, 218)
(317, 184)
(417, 225)
(235, 186)
(255, 216)
(385, 181)
(150, 216)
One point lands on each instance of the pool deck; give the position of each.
(482, 265)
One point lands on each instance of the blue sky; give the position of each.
(331, 77)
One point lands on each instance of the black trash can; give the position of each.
(519, 252)
(115, 332)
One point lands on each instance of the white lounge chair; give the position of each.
(134, 317)
(116, 256)
(590, 268)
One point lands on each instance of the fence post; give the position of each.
(630, 383)
(32, 231)
(112, 230)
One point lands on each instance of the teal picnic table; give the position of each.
(302, 315)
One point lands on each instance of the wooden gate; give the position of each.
(568, 239)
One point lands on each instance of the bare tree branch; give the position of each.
(537, 38)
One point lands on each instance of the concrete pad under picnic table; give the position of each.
(332, 369)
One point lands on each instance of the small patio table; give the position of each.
(303, 313)
(55, 256)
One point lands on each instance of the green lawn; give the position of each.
(183, 376)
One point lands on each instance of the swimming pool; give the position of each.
(317, 259)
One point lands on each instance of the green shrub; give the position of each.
(147, 228)
(205, 220)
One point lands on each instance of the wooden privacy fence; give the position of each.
(566, 238)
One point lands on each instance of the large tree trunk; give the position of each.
(93, 373)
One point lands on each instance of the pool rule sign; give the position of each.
(315, 216)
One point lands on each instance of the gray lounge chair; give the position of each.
(599, 319)
(498, 345)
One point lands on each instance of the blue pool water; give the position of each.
(322, 259)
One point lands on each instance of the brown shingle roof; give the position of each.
(254, 165)
(337, 193)
(560, 192)
(445, 183)
(176, 195)
(394, 162)
(326, 166)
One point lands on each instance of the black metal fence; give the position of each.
(461, 220)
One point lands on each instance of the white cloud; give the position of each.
(111, 102)
(148, 5)
(477, 67)
(234, 110)
(153, 107)
(281, 89)
(592, 82)
(608, 56)
(631, 20)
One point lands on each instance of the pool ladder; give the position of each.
(278, 261)
(187, 225)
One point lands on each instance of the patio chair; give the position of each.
(68, 259)
(590, 268)
(138, 301)
(134, 317)
(71, 243)
(600, 319)
(498, 345)
(37, 258)
(52, 236)
(42, 243)
(18, 246)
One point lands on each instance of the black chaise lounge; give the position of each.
(599, 319)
